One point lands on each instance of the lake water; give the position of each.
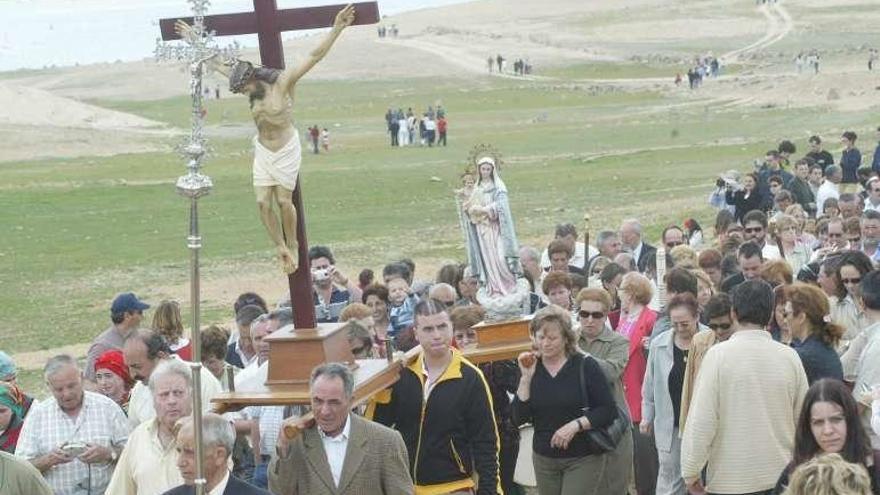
(42, 33)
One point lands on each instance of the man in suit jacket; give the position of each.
(338, 453)
(631, 238)
(218, 438)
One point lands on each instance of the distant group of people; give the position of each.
(707, 66)
(409, 129)
(319, 138)
(385, 31)
(810, 61)
(521, 67)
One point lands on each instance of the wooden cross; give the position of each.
(268, 23)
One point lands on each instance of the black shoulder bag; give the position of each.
(608, 437)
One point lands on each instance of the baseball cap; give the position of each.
(127, 302)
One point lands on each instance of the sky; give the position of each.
(42, 33)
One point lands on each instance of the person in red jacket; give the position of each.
(441, 131)
(636, 323)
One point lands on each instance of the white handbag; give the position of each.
(524, 473)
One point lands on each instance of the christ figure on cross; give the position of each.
(277, 146)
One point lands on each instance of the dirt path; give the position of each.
(779, 24)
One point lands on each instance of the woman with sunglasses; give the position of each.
(829, 424)
(846, 305)
(717, 313)
(611, 351)
(661, 392)
(815, 337)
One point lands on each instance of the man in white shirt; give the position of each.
(264, 421)
(829, 188)
(749, 368)
(568, 233)
(75, 437)
(148, 465)
(145, 350)
(873, 189)
(336, 452)
(868, 370)
(755, 230)
(218, 438)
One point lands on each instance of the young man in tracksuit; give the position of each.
(443, 409)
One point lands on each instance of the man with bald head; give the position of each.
(443, 293)
(74, 438)
(145, 350)
(631, 238)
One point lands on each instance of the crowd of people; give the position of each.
(704, 67)
(521, 67)
(742, 364)
(810, 61)
(409, 129)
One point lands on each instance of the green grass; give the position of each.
(77, 231)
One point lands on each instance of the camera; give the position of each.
(320, 274)
(74, 449)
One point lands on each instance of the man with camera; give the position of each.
(75, 437)
(326, 280)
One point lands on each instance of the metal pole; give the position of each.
(198, 51)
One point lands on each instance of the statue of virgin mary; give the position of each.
(493, 251)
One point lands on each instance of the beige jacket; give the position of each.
(376, 463)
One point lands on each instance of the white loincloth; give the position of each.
(277, 168)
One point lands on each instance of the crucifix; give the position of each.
(264, 86)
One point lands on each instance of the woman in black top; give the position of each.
(829, 424)
(551, 397)
(814, 336)
(746, 199)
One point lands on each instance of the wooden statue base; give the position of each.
(371, 375)
(502, 332)
(293, 353)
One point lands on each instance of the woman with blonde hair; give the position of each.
(795, 252)
(168, 323)
(830, 475)
(563, 393)
(636, 322)
(807, 315)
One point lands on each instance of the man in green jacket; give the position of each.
(800, 188)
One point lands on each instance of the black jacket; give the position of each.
(450, 435)
(648, 251)
(233, 487)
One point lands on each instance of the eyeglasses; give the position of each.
(719, 326)
(835, 234)
(596, 315)
(847, 281)
(753, 230)
(672, 244)
(448, 304)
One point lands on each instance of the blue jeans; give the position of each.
(261, 476)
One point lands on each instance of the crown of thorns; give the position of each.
(242, 72)
(483, 153)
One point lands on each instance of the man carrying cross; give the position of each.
(277, 148)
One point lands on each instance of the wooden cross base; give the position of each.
(293, 353)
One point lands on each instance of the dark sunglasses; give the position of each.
(719, 326)
(753, 230)
(851, 280)
(672, 244)
(596, 315)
